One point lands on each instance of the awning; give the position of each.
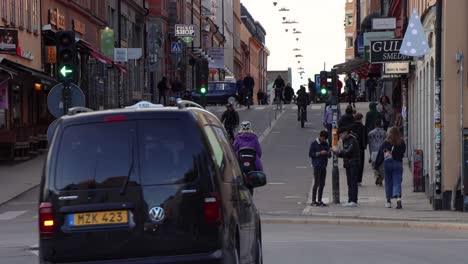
(355, 65)
(16, 68)
(98, 55)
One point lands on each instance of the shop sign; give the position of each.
(51, 54)
(120, 55)
(57, 20)
(8, 41)
(396, 67)
(218, 58)
(382, 51)
(79, 26)
(182, 30)
(61, 22)
(384, 23)
(4, 94)
(27, 54)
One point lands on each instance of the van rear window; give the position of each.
(99, 156)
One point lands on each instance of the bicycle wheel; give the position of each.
(302, 117)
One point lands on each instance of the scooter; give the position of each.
(247, 158)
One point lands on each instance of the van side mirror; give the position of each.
(256, 179)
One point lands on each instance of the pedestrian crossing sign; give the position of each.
(176, 47)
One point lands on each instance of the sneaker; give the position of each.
(388, 205)
(314, 204)
(322, 204)
(360, 184)
(399, 206)
(350, 204)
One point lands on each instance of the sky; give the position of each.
(322, 39)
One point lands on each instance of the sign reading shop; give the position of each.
(388, 50)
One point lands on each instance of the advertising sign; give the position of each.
(396, 67)
(382, 51)
(218, 56)
(120, 54)
(8, 41)
(182, 30)
(107, 42)
(384, 23)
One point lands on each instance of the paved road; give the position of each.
(326, 244)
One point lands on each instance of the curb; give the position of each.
(19, 194)
(367, 222)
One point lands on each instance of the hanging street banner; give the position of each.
(8, 41)
(415, 41)
(382, 51)
(107, 42)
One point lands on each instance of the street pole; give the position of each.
(460, 58)
(66, 94)
(334, 102)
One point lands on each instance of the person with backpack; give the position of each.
(376, 138)
(319, 152)
(391, 154)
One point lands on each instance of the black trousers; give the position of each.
(361, 168)
(320, 175)
(162, 96)
(352, 172)
(352, 97)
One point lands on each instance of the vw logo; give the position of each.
(156, 214)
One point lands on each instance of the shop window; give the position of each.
(21, 14)
(4, 9)
(13, 12)
(349, 20)
(349, 42)
(28, 15)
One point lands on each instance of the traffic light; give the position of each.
(323, 83)
(202, 77)
(203, 89)
(66, 54)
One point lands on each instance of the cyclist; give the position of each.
(279, 87)
(230, 119)
(302, 101)
(247, 139)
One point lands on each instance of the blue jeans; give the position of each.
(393, 178)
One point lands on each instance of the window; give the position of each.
(111, 17)
(21, 14)
(123, 28)
(349, 20)
(215, 146)
(4, 9)
(95, 156)
(28, 14)
(349, 42)
(171, 152)
(35, 17)
(13, 12)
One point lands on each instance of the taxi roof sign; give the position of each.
(144, 104)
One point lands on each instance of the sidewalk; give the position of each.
(19, 178)
(371, 199)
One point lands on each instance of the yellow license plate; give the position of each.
(100, 218)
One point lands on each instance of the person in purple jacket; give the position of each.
(247, 139)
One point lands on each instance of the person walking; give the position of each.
(371, 116)
(376, 138)
(371, 87)
(352, 90)
(360, 131)
(391, 155)
(319, 152)
(347, 120)
(162, 88)
(386, 111)
(351, 160)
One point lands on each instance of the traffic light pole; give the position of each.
(335, 171)
(66, 96)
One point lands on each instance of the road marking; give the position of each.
(34, 252)
(301, 167)
(260, 107)
(11, 215)
(316, 107)
(268, 130)
(294, 197)
(276, 132)
(294, 107)
(276, 183)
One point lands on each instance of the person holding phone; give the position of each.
(319, 152)
(391, 154)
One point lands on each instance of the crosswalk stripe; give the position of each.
(316, 107)
(11, 214)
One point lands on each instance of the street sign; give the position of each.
(387, 51)
(120, 54)
(176, 47)
(66, 71)
(183, 30)
(55, 102)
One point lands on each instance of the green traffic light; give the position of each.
(323, 91)
(66, 71)
(203, 90)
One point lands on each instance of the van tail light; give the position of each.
(118, 118)
(46, 220)
(212, 208)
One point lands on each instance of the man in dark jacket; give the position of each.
(347, 120)
(249, 84)
(162, 88)
(352, 90)
(230, 119)
(351, 157)
(302, 101)
(319, 152)
(360, 131)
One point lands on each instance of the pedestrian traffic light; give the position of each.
(66, 54)
(323, 82)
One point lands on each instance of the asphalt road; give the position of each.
(287, 165)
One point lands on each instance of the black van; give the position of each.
(146, 185)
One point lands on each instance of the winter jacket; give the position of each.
(376, 138)
(350, 153)
(386, 112)
(249, 82)
(230, 118)
(318, 160)
(360, 130)
(279, 83)
(347, 120)
(371, 117)
(397, 152)
(249, 140)
(302, 98)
